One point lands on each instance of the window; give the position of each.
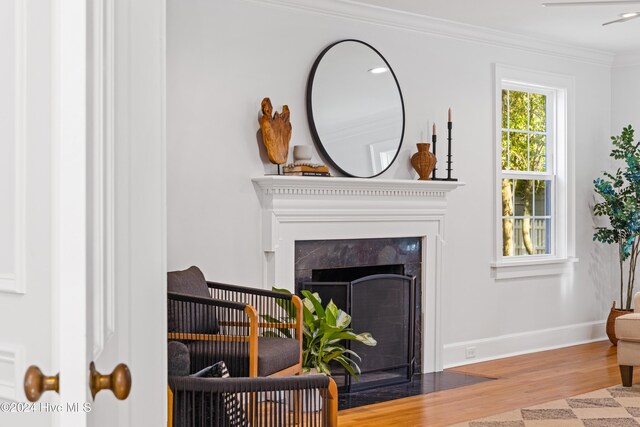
(532, 176)
(527, 171)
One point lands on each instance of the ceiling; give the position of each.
(581, 26)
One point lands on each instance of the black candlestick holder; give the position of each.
(434, 139)
(449, 161)
(449, 127)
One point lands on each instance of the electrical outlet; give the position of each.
(470, 352)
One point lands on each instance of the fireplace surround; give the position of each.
(316, 208)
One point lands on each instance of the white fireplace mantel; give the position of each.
(319, 208)
(388, 188)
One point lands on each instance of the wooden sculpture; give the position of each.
(276, 132)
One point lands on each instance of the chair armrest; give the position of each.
(636, 302)
(176, 296)
(248, 290)
(268, 402)
(245, 385)
(271, 306)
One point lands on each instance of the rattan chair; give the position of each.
(306, 400)
(254, 331)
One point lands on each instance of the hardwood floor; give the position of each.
(521, 381)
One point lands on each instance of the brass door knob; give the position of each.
(119, 381)
(36, 383)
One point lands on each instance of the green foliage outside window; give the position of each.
(526, 212)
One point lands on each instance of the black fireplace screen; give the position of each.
(383, 304)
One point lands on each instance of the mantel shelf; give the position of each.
(352, 187)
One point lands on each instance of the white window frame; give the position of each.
(560, 121)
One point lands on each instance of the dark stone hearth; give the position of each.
(421, 384)
(324, 254)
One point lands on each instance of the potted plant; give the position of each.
(620, 201)
(325, 329)
(323, 334)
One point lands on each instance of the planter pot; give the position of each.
(310, 399)
(611, 322)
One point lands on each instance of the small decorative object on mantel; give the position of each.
(276, 132)
(449, 127)
(302, 153)
(306, 169)
(434, 140)
(449, 162)
(424, 161)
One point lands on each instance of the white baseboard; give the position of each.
(523, 343)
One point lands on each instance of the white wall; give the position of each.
(625, 93)
(225, 56)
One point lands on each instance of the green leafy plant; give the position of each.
(325, 329)
(620, 193)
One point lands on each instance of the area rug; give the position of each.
(610, 407)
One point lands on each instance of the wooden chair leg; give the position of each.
(253, 340)
(169, 407)
(626, 372)
(333, 404)
(297, 400)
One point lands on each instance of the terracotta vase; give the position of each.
(611, 322)
(423, 161)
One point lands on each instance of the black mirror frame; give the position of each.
(312, 124)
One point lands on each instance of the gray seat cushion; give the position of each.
(190, 317)
(178, 355)
(274, 354)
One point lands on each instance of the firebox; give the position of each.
(337, 269)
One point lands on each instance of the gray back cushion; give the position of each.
(190, 317)
(190, 281)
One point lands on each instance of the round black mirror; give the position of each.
(355, 109)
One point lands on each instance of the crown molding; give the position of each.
(627, 59)
(354, 10)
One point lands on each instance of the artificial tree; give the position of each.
(620, 194)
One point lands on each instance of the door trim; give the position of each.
(13, 282)
(103, 171)
(70, 205)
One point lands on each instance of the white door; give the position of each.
(82, 232)
(27, 292)
(128, 322)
